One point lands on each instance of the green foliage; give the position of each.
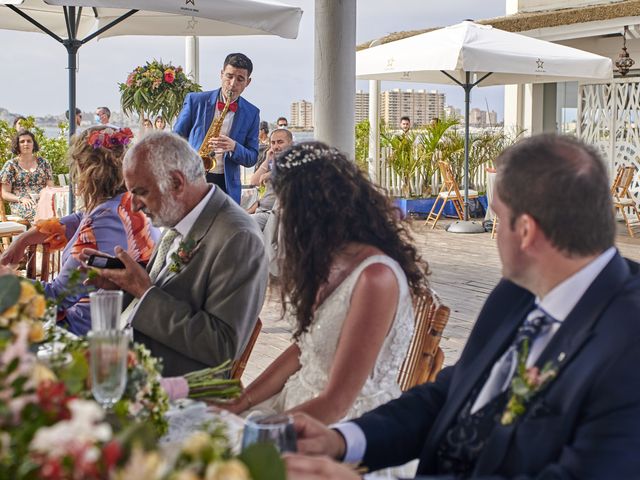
(264, 462)
(9, 291)
(53, 150)
(431, 141)
(405, 158)
(362, 144)
(484, 148)
(156, 89)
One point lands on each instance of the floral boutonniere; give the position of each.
(186, 250)
(526, 383)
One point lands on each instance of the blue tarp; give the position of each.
(420, 207)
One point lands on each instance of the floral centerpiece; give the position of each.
(156, 89)
(144, 399)
(51, 429)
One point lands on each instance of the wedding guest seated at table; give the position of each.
(24, 176)
(95, 158)
(348, 273)
(548, 384)
(198, 301)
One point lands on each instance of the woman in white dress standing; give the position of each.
(348, 270)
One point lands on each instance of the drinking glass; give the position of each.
(106, 307)
(108, 350)
(276, 429)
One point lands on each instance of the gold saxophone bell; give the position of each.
(208, 155)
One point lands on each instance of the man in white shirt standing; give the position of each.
(548, 385)
(198, 301)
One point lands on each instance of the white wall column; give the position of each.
(192, 58)
(335, 74)
(533, 108)
(374, 130)
(513, 95)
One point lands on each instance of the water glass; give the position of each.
(108, 351)
(106, 308)
(276, 429)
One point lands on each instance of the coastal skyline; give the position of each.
(283, 69)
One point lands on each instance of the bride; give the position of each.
(348, 271)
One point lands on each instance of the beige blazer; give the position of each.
(205, 313)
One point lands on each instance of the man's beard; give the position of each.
(169, 215)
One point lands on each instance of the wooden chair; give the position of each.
(425, 357)
(449, 192)
(239, 365)
(9, 225)
(494, 227)
(622, 198)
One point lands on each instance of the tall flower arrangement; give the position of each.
(49, 431)
(156, 89)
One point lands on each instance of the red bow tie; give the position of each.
(233, 106)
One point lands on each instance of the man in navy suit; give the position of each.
(238, 141)
(568, 306)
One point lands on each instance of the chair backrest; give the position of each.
(3, 213)
(42, 262)
(616, 180)
(239, 365)
(424, 358)
(449, 183)
(627, 175)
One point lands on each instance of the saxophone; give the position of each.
(209, 156)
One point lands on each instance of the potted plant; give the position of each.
(430, 142)
(156, 89)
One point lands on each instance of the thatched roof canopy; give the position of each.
(522, 22)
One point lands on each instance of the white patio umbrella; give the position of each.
(75, 22)
(469, 54)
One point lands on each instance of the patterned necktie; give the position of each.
(537, 323)
(158, 262)
(161, 256)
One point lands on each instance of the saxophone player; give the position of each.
(222, 126)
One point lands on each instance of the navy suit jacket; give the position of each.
(585, 424)
(194, 121)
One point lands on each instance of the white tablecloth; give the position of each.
(188, 416)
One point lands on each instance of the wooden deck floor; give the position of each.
(464, 270)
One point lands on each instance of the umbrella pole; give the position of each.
(72, 44)
(466, 226)
(467, 99)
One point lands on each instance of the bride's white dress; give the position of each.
(318, 348)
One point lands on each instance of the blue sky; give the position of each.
(35, 77)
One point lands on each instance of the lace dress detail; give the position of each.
(318, 348)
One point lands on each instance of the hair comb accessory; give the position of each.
(305, 153)
(109, 138)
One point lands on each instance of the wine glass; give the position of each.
(108, 351)
(276, 429)
(106, 308)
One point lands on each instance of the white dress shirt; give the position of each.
(558, 303)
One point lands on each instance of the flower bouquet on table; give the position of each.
(209, 383)
(156, 89)
(143, 399)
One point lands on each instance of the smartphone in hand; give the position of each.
(104, 261)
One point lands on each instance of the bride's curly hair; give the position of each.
(326, 202)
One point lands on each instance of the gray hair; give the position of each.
(166, 152)
(284, 130)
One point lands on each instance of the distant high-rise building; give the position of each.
(452, 112)
(419, 105)
(482, 118)
(362, 106)
(301, 115)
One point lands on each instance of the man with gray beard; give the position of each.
(197, 302)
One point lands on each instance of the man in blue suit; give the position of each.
(548, 384)
(238, 141)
